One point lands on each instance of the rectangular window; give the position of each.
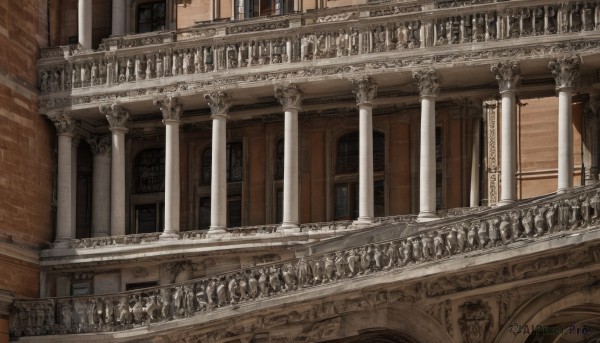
(379, 198)
(204, 213)
(234, 211)
(279, 205)
(341, 209)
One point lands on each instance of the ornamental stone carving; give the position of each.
(289, 96)
(365, 89)
(100, 144)
(508, 75)
(565, 71)
(116, 115)
(64, 122)
(476, 322)
(219, 103)
(427, 81)
(170, 106)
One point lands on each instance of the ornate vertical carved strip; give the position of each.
(492, 170)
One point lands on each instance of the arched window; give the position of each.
(151, 16)
(345, 192)
(149, 171)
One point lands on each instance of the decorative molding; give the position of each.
(170, 106)
(508, 75)
(257, 27)
(219, 103)
(64, 122)
(116, 115)
(365, 89)
(427, 82)
(100, 144)
(289, 96)
(565, 71)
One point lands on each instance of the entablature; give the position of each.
(323, 48)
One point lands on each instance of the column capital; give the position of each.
(116, 115)
(565, 71)
(365, 89)
(64, 122)
(170, 106)
(289, 96)
(100, 144)
(219, 103)
(508, 75)
(427, 81)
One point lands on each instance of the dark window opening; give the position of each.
(149, 218)
(259, 8)
(234, 159)
(149, 171)
(151, 16)
(347, 153)
(140, 285)
(279, 155)
(234, 211)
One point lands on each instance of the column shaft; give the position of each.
(365, 164)
(427, 162)
(565, 141)
(118, 17)
(172, 178)
(218, 183)
(101, 196)
(474, 194)
(290, 170)
(508, 159)
(64, 224)
(84, 23)
(117, 189)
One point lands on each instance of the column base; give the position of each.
(505, 202)
(362, 222)
(288, 228)
(427, 216)
(216, 231)
(168, 235)
(61, 244)
(564, 190)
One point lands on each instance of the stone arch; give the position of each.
(562, 306)
(400, 323)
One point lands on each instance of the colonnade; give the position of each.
(111, 204)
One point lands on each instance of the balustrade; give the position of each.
(138, 58)
(551, 216)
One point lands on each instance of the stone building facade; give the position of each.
(299, 171)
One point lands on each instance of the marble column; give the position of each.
(565, 71)
(75, 142)
(219, 103)
(100, 146)
(508, 75)
(119, 12)
(84, 23)
(171, 108)
(428, 91)
(117, 118)
(65, 129)
(475, 162)
(290, 97)
(365, 89)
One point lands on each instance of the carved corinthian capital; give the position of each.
(289, 96)
(100, 144)
(170, 106)
(565, 71)
(116, 115)
(508, 75)
(365, 89)
(427, 81)
(64, 122)
(219, 103)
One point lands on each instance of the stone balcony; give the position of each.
(385, 40)
(523, 242)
